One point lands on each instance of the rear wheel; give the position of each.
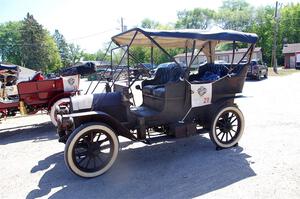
(227, 127)
(61, 103)
(258, 77)
(266, 75)
(91, 150)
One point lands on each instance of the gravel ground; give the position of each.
(266, 164)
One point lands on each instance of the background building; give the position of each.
(291, 54)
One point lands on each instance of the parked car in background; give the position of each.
(257, 69)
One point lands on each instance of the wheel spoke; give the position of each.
(107, 146)
(85, 138)
(226, 137)
(219, 133)
(82, 153)
(230, 118)
(98, 135)
(233, 120)
(81, 160)
(91, 136)
(81, 145)
(94, 161)
(221, 122)
(230, 134)
(101, 161)
(226, 116)
(102, 141)
(233, 130)
(106, 156)
(222, 136)
(88, 162)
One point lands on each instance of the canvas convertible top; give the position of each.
(181, 38)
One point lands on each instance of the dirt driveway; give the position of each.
(266, 164)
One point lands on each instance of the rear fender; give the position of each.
(99, 116)
(222, 102)
(228, 100)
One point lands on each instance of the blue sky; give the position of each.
(90, 23)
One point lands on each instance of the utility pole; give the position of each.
(274, 50)
(122, 25)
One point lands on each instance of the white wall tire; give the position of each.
(53, 111)
(73, 161)
(227, 127)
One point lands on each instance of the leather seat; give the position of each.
(166, 73)
(149, 89)
(159, 92)
(210, 72)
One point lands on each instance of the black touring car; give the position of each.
(176, 102)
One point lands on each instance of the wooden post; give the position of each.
(274, 50)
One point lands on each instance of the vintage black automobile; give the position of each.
(175, 102)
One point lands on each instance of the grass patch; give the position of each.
(282, 72)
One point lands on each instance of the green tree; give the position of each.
(53, 56)
(235, 15)
(198, 18)
(33, 37)
(75, 53)
(100, 56)
(289, 27)
(89, 56)
(10, 37)
(63, 48)
(264, 28)
(148, 23)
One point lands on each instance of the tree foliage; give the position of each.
(264, 28)
(235, 15)
(28, 44)
(197, 18)
(290, 24)
(148, 23)
(10, 36)
(63, 48)
(38, 49)
(239, 15)
(53, 58)
(75, 53)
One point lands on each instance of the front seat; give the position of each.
(166, 73)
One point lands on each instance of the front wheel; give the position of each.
(227, 127)
(91, 150)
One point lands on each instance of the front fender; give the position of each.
(58, 97)
(99, 116)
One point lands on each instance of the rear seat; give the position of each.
(168, 73)
(210, 72)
